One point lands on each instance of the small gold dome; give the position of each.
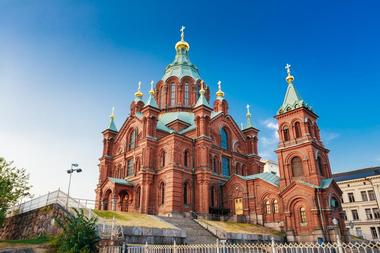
(182, 44)
(289, 79)
(220, 93)
(138, 93)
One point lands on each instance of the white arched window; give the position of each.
(268, 207)
(303, 215)
(172, 95)
(187, 94)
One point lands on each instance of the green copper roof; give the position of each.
(266, 176)
(325, 183)
(120, 181)
(181, 66)
(292, 100)
(151, 102)
(202, 101)
(112, 125)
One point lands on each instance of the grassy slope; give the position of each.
(133, 219)
(244, 228)
(42, 241)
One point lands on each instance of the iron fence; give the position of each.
(338, 247)
(55, 197)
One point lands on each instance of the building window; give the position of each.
(297, 128)
(376, 213)
(162, 99)
(275, 206)
(130, 167)
(138, 194)
(187, 94)
(172, 95)
(132, 139)
(359, 232)
(364, 196)
(162, 193)
(223, 138)
(371, 195)
(368, 213)
(186, 158)
(163, 158)
(297, 168)
(185, 195)
(212, 196)
(334, 203)
(355, 215)
(285, 132)
(320, 165)
(374, 233)
(215, 164)
(303, 215)
(351, 197)
(225, 166)
(268, 207)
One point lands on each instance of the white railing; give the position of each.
(55, 197)
(249, 248)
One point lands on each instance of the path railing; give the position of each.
(271, 247)
(55, 197)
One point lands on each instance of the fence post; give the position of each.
(174, 247)
(146, 247)
(124, 251)
(340, 246)
(273, 245)
(217, 246)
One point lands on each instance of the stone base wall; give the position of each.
(32, 224)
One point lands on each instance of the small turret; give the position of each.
(137, 104)
(202, 113)
(220, 104)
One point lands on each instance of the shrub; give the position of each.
(78, 234)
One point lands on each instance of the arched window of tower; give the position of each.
(297, 129)
(297, 168)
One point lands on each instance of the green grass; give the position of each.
(35, 241)
(133, 219)
(244, 228)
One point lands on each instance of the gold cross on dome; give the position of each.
(287, 67)
(182, 30)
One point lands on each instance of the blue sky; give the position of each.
(64, 64)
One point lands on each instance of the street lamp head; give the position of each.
(79, 170)
(335, 221)
(70, 171)
(74, 164)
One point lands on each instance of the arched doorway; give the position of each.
(107, 200)
(123, 201)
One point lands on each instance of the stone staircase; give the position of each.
(195, 233)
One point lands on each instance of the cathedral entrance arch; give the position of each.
(123, 201)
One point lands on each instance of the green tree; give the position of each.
(14, 185)
(78, 234)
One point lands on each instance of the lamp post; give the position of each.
(70, 172)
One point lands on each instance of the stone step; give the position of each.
(195, 233)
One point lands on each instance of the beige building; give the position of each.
(270, 166)
(361, 201)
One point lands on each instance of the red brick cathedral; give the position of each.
(177, 154)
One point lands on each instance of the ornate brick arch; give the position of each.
(293, 154)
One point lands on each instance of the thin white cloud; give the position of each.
(269, 140)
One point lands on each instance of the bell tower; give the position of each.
(301, 153)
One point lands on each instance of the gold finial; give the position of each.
(289, 78)
(182, 30)
(248, 112)
(220, 93)
(202, 90)
(112, 116)
(151, 91)
(182, 43)
(138, 93)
